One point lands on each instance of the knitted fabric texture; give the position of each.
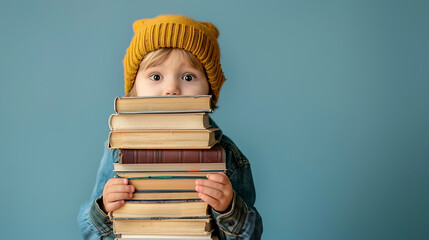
(175, 31)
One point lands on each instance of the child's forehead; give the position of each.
(159, 56)
(177, 54)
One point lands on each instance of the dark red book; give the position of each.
(216, 154)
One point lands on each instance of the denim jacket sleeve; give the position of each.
(93, 222)
(243, 221)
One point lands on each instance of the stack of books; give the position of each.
(165, 144)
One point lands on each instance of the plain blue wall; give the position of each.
(328, 99)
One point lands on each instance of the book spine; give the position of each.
(115, 107)
(110, 122)
(109, 140)
(136, 156)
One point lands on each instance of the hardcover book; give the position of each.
(163, 139)
(165, 195)
(122, 171)
(169, 167)
(158, 121)
(169, 183)
(159, 104)
(191, 227)
(215, 154)
(164, 185)
(164, 237)
(142, 209)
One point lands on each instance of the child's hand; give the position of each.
(115, 192)
(216, 191)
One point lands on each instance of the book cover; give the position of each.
(191, 227)
(163, 139)
(169, 167)
(160, 104)
(215, 154)
(141, 209)
(158, 121)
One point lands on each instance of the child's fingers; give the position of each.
(218, 177)
(114, 205)
(209, 200)
(119, 188)
(113, 197)
(115, 181)
(216, 191)
(209, 183)
(212, 192)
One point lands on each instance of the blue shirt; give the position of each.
(241, 222)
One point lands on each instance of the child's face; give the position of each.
(174, 76)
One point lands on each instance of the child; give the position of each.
(176, 55)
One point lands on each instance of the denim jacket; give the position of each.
(241, 222)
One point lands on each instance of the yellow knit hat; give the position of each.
(175, 31)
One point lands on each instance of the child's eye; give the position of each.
(155, 77)
(188, 77)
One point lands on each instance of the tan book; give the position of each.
(190, 227)
(169, 167)
(162, 209)
(196, 174)
(163, 139)
(157, 104)
(170, 183)
(172, 190)
(159, 121)
(164, 195)
(165, 237)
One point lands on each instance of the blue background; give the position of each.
(328, 100)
